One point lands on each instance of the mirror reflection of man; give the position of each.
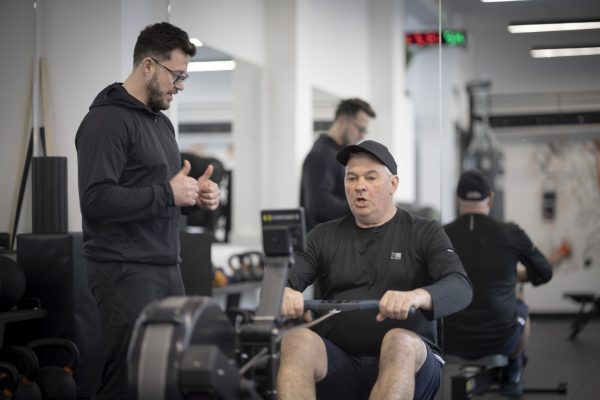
(497, 320)
(322, 185)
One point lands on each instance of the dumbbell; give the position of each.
(27, 365)
(346, 305)
(56, 381)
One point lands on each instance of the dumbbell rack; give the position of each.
(19, 315)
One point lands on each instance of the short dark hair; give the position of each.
(351, 107)
(159, 40)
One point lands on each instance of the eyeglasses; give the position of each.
(178, 77)
(361, 129)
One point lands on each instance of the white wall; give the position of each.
(340, 40)
(572, 173)
(76, 75)
(17, 46)
(394, 125)
(232, 26)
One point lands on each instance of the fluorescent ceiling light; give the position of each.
(565, 52)
(201, 66)
(497, 1)
(552, 26)
(196, 42)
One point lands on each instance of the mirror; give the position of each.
(218, 112)
(205, 115)
(532, 124)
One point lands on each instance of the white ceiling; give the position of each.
(534, 11)
(512, 11)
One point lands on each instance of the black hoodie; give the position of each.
(126, 156)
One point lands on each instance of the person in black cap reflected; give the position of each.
(497, 320)
(377, 252)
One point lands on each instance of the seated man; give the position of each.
(496, 322)
(377, 252)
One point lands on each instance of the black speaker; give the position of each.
(196, 264)
(49, 195)
(56, 275)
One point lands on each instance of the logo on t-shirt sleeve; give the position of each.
(395, 255)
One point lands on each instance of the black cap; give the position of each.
(377, 150)
(473, 185)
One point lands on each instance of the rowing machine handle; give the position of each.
(346, 305)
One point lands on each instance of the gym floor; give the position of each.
(554, 359)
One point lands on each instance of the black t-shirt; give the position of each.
(352, 263)
(490, 251)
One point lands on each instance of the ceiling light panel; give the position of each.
(201, 66)
(552, 26)
(564, 52)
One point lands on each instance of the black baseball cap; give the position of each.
(377, 150)
(473, 185)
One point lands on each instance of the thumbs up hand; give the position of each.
(210, 195)
(185, 188)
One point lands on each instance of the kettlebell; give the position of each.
(56, 382)
(27, 365)
(247, 266)
(256, 263)
(240, 270)
(9, 380)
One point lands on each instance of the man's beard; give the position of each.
(346, 138)
(155, 97)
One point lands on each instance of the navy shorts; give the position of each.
(352, 377)
(522, 315)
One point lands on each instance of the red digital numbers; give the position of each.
(449, 37)
(423, 38)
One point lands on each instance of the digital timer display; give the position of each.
(449, 37)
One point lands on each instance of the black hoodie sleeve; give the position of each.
(111, 188)
(321, 180)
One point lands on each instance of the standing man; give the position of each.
(131, 190)
(322, 185)
(377, 252)
(497, 321)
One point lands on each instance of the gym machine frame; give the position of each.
(186, 347)
(476, 377)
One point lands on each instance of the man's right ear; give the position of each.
(491, 199)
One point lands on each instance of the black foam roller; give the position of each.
(49, 195)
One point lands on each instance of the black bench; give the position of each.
(584, 315)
